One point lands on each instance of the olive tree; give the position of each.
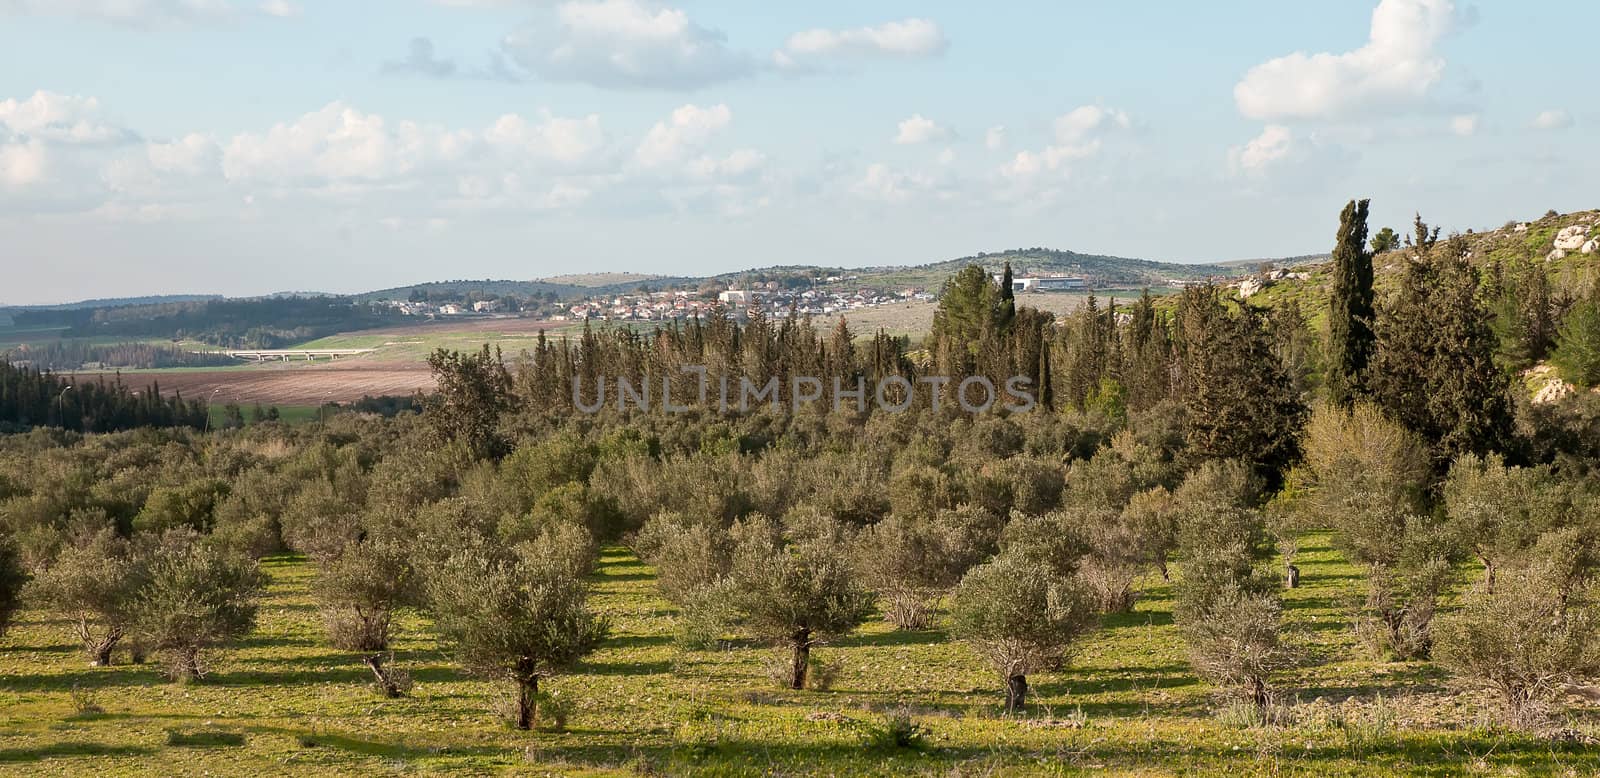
(1021, 618)
(12, 580)
(198, 598)
(692, 562)
(1498, 511)
(1364, 476)
(1226, 610)
(911, 562)
(521, 614)
(1522, 641)
(93, 582)
(358, 592)
(794, 591)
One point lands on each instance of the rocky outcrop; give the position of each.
(1250, 286)
(1591, 247)
(1570, 238)
(1555, 255)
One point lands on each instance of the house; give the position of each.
(451, 309)
(734, 297)
(486, 306)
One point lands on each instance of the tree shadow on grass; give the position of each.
(68, 750)
(623, 668)
(1136, 619)
(637, 641)
(87, 678)
(309, 739)
(898, 637)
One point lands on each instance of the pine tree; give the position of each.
(1238, 402)
(1434, 370)
(1577, 353)
(1350, 313)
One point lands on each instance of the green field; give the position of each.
(288, 414)
(1127, 704)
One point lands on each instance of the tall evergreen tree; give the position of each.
(1238, 401)
(1350, 313)
(1434, 369)
(1008, 300)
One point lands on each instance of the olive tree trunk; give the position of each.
(1016, 692)
(527, 701)
(98, 647)
(385, 681)
(801, 641)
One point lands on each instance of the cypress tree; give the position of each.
(1350, 313)
(1008, 301)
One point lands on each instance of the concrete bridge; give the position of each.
(292, 354)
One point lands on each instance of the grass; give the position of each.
(284, 702)
(288, 414)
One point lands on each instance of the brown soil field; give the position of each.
(289, 384)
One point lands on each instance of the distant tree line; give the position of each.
(35, 398)
(273, 322)
(76, 354)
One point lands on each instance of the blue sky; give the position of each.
(250, 146)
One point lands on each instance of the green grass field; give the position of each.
(288, 414)
(285, 703)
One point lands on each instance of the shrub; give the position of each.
(892, 731)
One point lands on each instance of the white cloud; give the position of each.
(907, 39)
(995, 138)
(150, 12)
(1086, 120)
(740, 164)
(1554, 119)
(625, 44)
(1273, 145)
(564, 140)
(1464, 125)
(280, 8)
(192, 154)
(920, 129)
(22, 163)
(56, 118)
(1396, 67)
(338, 144)
(1078, 135)
(686, 131)
(885, 184)
(947, 157)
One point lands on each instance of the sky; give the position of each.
(246, 147)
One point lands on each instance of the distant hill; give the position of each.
(1531, 241)
(499, 287)
(594, 280)
(113, 302)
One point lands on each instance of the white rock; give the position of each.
(1591, 247)
(1570, 238)
(1553, 391)
(1555, 255)
(1523, 227)
(1250, 286)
